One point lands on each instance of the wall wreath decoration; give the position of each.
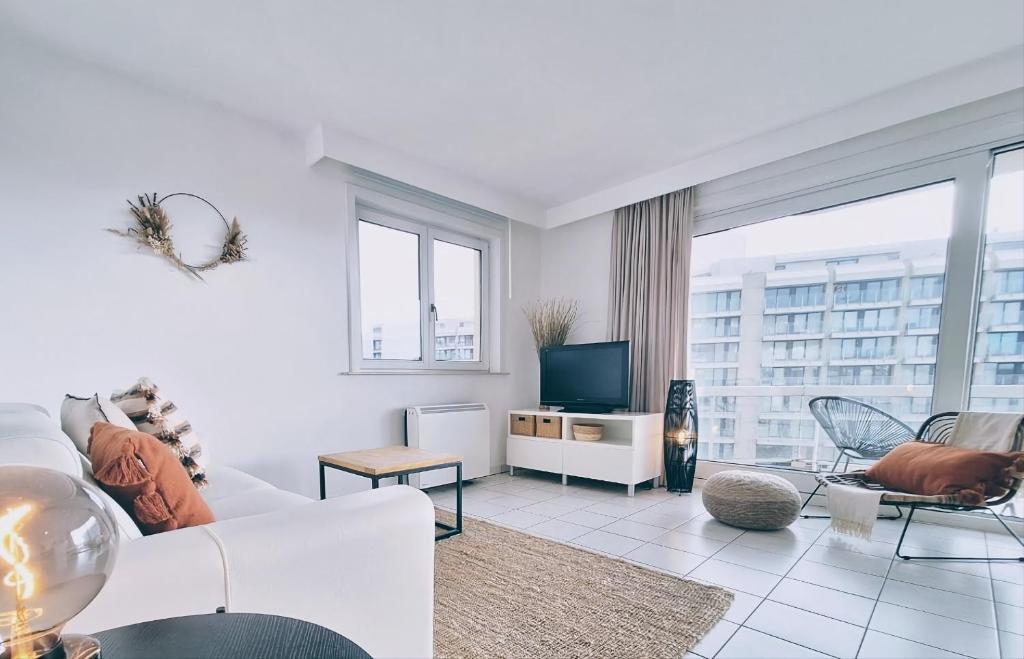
(153, 229)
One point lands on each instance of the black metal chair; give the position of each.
(859, 431)
(937, 429)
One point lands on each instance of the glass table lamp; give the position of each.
(681, 436)
(58, 544)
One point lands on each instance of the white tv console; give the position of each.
(630, 451)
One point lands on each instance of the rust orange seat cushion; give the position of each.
(935, 469)
(146, 478)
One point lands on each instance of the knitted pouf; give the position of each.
(750, 500)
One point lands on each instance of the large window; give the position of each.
(866, 279)
(998, 375)
(422, 292)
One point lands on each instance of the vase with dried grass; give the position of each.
(551, 321)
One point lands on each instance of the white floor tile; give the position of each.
(1008, 593)
(535, 494)
(609, 543)
(758, 559)
(511, 501)
(484, 509)
(1010, 618)
(708, 527)
(603, 508)
(877, 645)
(846, 543)
(549, 508)
(587, 518)
(743, 604)
(557, 529)
(695, 544)
(1011, 645)
(828, 635)
(848, 581)
(665, 558)
(750, 644)
(644, 532)
(736, 577)
(825, 601)
(664, 520)
(930, 629)
(957, 582)
(576, 501)
(1011, 572)
(517, 519)
(513, 486)
(848, 560)
(939, 602)
(782, 541)
(715, 639)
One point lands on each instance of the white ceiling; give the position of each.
(547, 101)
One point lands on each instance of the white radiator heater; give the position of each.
(462, 428)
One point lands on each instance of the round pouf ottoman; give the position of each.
(750, 500)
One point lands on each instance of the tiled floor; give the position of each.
(800, 592)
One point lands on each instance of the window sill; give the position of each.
(424, 371)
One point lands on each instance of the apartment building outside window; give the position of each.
(789, 297)
(716, 302)
(788, 351)
(882, 347)
(868, 320)
(706, 328)
(922, 318)
(793, 323)
(864, 292)
(926, 288)
(715, 352)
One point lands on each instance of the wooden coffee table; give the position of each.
(397, 462)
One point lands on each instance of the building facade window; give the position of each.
(793, 323)
(920, 346)
(923, 318)
(715, 352)
(789, 297)
(867, 292)
(717, 302)
(860, 375)
(867, 320)
(787, 351)
(881, 347)
(926, 288)
(707, 328)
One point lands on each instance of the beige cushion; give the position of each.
(79, 413)
(751, 500)
(155, 415)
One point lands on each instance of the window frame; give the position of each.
(429, 225)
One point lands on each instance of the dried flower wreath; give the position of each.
(153, 229)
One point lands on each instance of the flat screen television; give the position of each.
(588, 377)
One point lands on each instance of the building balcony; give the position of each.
(858, 306)
(715, 339)
(867, 333)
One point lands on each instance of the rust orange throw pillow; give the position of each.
(146, 478)
(935, 469)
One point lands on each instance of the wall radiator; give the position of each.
(461, 428)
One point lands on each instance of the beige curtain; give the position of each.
(650, 290)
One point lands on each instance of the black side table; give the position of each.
(227, 636)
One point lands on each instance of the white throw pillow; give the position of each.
(78, 414)
(160, 417)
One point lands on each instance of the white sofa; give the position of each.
(362, 564)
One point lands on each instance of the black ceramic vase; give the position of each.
(681, 436)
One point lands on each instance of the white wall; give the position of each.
(577, 265)
(251, 356)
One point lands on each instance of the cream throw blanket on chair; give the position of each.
(854, 509)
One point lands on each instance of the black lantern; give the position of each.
(681, 436)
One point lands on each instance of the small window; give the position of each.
(421, 300)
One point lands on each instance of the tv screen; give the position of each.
(588, 376)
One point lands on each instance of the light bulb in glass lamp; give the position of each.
(58, 544)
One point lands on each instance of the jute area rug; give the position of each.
(503, 593)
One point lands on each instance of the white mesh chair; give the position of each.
(936, 430)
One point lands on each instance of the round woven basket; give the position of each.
(749, 500)
(587, 432)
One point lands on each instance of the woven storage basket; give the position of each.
(549, 426)
(523, 424)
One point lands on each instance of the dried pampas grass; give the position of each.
(551, 321)
(153, 230)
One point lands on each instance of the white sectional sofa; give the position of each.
(361, 564)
